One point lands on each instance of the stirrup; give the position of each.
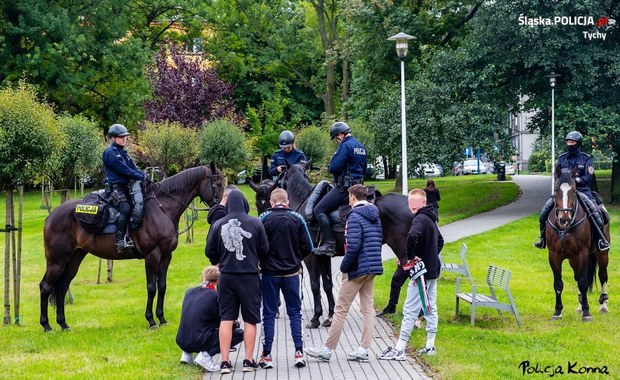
(127, 242)
(602, 245)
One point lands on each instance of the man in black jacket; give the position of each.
(200, 323)
(235, 243)
(218, 210)
(424, 242)
(289, 243)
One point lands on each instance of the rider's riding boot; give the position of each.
(542, 222)
(123, 242)
(328, 247)
(596, 221)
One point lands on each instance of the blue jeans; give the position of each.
(291, 290)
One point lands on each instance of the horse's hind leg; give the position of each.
(315, 287)
(62, 286)
(325, 268)
(46, 287)
(161, 288)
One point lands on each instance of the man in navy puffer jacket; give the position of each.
(360, 264)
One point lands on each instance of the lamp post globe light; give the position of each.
(402, 41)
(552, 81)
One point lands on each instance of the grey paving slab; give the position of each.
(534, 192)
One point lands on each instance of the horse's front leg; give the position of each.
(315, 287)
(558, 285)
(161, 288)
(603, 261)
(325, 268)
(151, 263)
(581, 276)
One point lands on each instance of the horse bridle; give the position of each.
(213, 178)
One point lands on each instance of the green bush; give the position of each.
(314, 143)
(169, 146)
(223, 142)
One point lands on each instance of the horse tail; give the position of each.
(592, 265)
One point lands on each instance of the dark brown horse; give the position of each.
(263, 192)
(569, 237)
(395, 218)
(67, 243)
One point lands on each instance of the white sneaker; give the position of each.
(320, 353)
(427, 351)
(187, 358)
(204, 360)
(358, 356)
(392, 354)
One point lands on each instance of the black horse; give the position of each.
(67, 243)
(569, 237)
(395, 218)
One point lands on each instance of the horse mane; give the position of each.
(298, 185)
(181, 181)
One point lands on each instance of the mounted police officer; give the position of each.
(574, 158)
(120, 170)
(286, 153)
(348, 165)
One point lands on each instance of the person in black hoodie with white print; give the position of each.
(235, 243)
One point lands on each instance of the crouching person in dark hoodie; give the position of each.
(360, 264)
(235, 243)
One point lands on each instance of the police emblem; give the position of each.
(591, 169)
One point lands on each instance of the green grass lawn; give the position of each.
(110, 339)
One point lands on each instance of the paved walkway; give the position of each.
(535, 190)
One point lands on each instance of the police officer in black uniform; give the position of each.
(348, 165)
(286, 153)
(120, 169)
(575, 158)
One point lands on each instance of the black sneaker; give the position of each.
(384, 312)
(226, 367)
(249, 366)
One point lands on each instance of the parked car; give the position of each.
(471, 167)
(429, 170)
(511, 168)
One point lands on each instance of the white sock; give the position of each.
(400, 345)
(362, 350)
(326, 349)
(430, 342)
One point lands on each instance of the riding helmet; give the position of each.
(286, 139)
(575, 136)
(338, 128)
(118, 130)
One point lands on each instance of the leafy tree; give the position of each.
(80, 154)
(81, 55)
(28, 135)
(223, 142)
(185, 90)
(168, 145)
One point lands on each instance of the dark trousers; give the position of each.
(291, 290)
(331, 201)
(399, 278)
(212, 342)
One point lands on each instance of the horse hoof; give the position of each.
(579, 311)
(327, 322)
(66, 328)
(48, 330)
(603, 309)
(556, 317)
(313, 325)
(587, 318)
(153, 327)
(164, 323)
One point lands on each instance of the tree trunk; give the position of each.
(615, 180)
(346, 77)
(17, 264)
(7, 255)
